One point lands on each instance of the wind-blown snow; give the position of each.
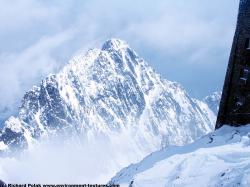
(218, 159)
(108, 95)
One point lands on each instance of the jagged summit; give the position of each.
(114, 44)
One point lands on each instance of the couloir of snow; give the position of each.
(221, 158)
(106, 98)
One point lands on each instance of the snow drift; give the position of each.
(220, 158)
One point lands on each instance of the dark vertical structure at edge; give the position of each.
(235, 102)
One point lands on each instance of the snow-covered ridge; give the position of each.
(213, 101)
(220, 158)
(109, 94)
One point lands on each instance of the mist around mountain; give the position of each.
(104, 110)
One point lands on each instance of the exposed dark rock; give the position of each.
(235, 103)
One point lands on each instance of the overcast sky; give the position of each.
(187, 41)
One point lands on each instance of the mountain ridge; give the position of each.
(109, 94)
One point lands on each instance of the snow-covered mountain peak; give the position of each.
(114, 44)
(115, 56)
(110, 95)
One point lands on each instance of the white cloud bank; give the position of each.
(182, 40)
(75, 161)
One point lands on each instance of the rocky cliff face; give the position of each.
(106, 93)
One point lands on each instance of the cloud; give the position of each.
(79, 159)
(180, 39)
(20, 71)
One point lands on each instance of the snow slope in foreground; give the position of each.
(221, 158)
